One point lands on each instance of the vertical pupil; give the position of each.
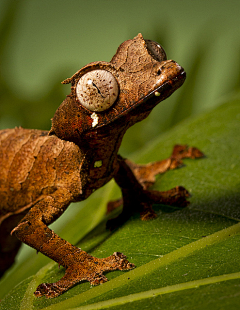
(103, 84)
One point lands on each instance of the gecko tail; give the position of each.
(7, 259)
(9, 245)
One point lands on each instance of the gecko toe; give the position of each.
(98, 279)
(49, 290)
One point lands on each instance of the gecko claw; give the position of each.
(50, 290)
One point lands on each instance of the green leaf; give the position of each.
(185, 258)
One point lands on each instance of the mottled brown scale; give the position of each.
(42, 172)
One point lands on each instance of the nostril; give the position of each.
(159, 71)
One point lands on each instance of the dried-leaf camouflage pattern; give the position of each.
(43, 172)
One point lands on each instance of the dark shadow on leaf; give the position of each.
(165, 208)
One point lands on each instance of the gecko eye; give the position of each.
(156, 50)
(97, 90)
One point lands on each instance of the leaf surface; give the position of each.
(187, 257)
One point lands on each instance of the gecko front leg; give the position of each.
(80, 266)
(135, 181)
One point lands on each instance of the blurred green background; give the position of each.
(44, 42)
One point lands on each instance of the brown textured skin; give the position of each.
(43, 172)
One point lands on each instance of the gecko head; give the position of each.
(122, 91)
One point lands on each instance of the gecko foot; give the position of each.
(142, 203)
(50, 290)
(176, 197)
(91, 269)
(146, 174)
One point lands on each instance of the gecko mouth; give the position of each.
(158, 94)
(163, 91)
(148, 102)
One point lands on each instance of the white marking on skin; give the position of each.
(157, 94)
(94, 117)
(98, 164)
(89, 82)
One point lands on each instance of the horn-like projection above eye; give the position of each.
(97, 90)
